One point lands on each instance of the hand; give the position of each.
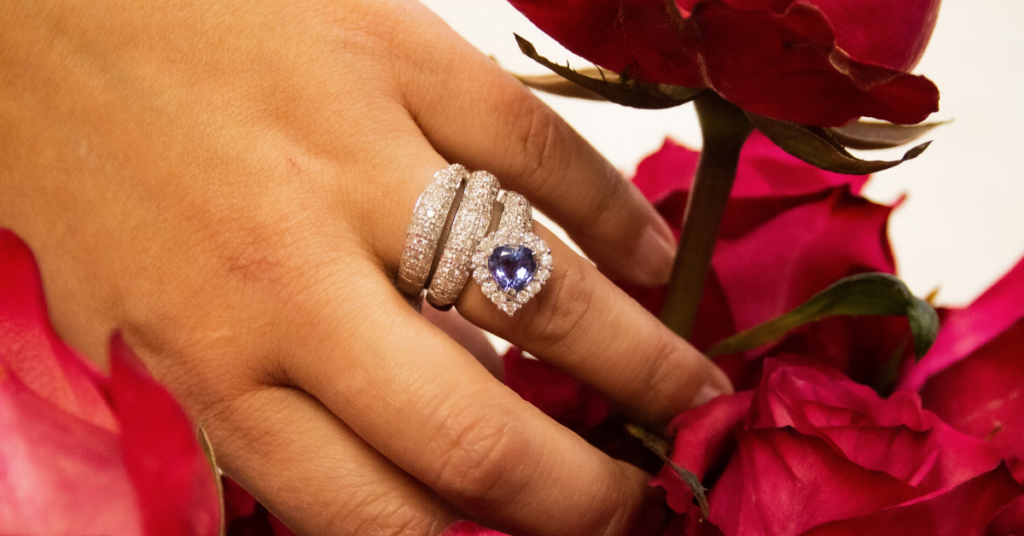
(229, 184)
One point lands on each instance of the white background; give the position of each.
(962, 225)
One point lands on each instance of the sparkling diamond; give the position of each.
(512, 268)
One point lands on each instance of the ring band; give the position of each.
(512, 264)
(472, 219)
(426, 226)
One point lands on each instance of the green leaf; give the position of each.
(867, 135)
(861, 294)
(660, 447)
(621, 90)
(817, 146)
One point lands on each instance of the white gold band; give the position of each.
(426, 226)
(472, 219)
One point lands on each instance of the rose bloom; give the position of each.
(817, 62)
(81, 453)
(811, 452)
(789, 231)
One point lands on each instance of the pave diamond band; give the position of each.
(426, 226)
(472, 219)
(512, 264)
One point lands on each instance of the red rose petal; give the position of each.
(173, 481)
(783, 482)
(705, 436)
(955, 512)
(967, 330)
(620, 34)
(799, 253)
(29, 348)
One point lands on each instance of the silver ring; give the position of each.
(512, 264)
(472, 219)
(426, 226)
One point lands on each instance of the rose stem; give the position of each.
(724, 127)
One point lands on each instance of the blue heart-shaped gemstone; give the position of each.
(512, 268)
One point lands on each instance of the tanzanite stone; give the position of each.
(512, 268)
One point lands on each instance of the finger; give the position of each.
(430, 407)
(476, 114)
(579, 321)
(585, 325)
(468, 336)
(314, 473)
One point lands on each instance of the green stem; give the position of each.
(725, 128)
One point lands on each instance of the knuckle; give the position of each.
(484, 458)
(664, 377)
(536, 133)
(558, 315)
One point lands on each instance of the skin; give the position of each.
(228, 184)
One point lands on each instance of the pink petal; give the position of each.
(29, 348)
(469, 528)
(59, 473)
(174, 483)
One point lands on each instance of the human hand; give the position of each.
(229, 185)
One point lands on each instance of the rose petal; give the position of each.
(783, 482)
(965, 509)
(967, 330)
(705, 437)
(173, 481)
(982, 395)
(29, 348)
(787, 66)
(617, 34)
(59, 473)
(799, 253)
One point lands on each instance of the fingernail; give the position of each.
(654, 254)
(705, 395)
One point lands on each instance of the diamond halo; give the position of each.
(510, 300)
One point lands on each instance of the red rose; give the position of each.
(973, 378)
(789, 231)
(817, 62)
(82, 453)
(815, 453)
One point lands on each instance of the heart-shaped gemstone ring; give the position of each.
(512, 264)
